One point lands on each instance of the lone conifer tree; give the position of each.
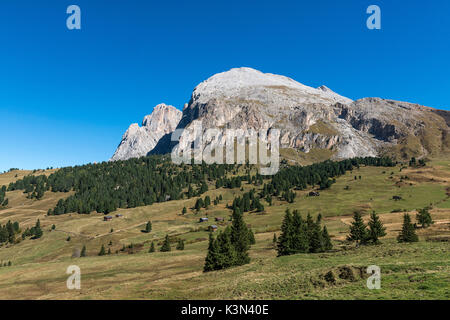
(240, 238)
(180, 245)
(83, 251)
(152, 247)
(184, 211)
(376, 229)
(358, 231)
(408, 233)
(166, 245)
(102, 251)
(424, 218)
(207, 201)
(148, 227)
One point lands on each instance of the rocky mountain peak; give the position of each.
(309, 119)
(138, 141)
(248, 83)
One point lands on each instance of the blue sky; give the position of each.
(66, 97)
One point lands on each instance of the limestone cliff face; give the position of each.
(309, 119)
(138, 141)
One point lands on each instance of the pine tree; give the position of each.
(274, 240)
(408, 233)
(166, 245)
(376, 229)
(148, 227)
(102, 251)
(228, 255)
(239, 238)
(199, 204)
(37, 230)
(83, 251)
(285, 239)
(184, 211)
(326, 244)
(180, 245)
(212, 255)
(207, 201)
(152, 247)
(314, 235)
(358, 231)
(300, 241)
(424, 218)
(251, 237)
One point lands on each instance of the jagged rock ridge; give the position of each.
(138, 141)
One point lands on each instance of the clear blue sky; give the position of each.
(66, 97)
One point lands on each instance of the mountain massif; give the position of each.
(311, 121)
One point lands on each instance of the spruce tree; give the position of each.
(227, 255)
(102, 251)
(148, 227)
(326, 241)
(239, 238)
(83, 251)
(315, 237)
(358, 231)
(184, 211)
(274, 240)
(376, 229)
(285, 239)
(424, 218)
(251, 237)
(408, 233)
(212, 255)
(166, 245)
(180, 245)
(207, 202)
(300, 241)
(152, 247)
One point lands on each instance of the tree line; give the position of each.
(11, 230)
(131, 183)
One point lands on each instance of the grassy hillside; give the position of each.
(409, 271)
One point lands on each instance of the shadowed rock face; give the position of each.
(138, 141)
(311, 118)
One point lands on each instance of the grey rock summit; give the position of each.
(138, 141)
(315, 123)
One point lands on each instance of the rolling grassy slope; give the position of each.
(409, 271)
